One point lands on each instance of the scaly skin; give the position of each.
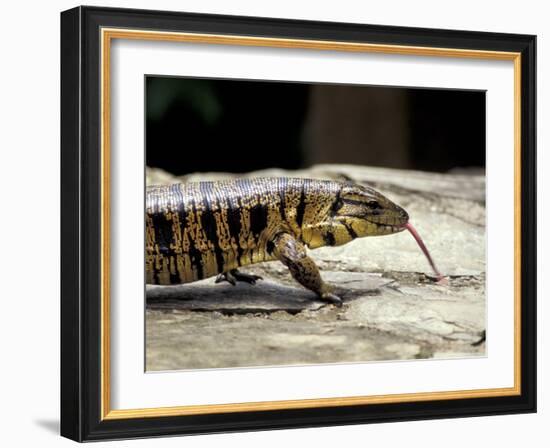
(199, 230)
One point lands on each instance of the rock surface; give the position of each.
(392, 309)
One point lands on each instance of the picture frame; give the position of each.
(86, 209)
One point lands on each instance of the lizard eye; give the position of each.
(374, 205)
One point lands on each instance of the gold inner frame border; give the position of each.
(107, 35)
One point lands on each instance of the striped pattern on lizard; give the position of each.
(205, 229)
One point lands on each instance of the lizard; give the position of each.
(204, 229)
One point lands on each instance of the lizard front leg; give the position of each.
(292, 254)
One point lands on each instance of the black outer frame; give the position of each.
(81, 208)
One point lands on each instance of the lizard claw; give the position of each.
(332, 298)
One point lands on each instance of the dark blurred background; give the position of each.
(239, 126)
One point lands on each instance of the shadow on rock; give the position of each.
(265, 296)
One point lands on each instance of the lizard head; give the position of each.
(361, 211)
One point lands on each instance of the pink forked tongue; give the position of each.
(439, 276)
